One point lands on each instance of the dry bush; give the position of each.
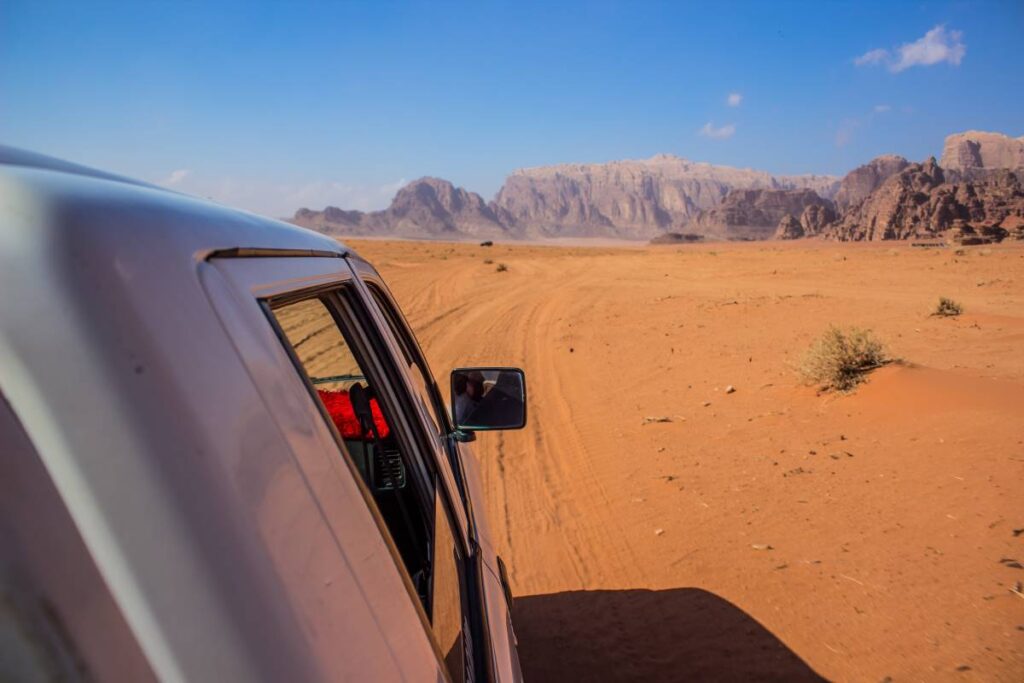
(839, 358)
(947, 308)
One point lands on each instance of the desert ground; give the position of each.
(770, 533)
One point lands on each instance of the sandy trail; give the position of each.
(772, 533)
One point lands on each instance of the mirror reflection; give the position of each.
(488, 398)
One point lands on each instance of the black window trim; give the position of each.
(473, 565)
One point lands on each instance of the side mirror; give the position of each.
(488, 399)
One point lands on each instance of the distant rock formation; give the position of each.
(978, 150)
(863, 180)
(972, 193)
(918, 202)
(789, 228)
(631, 199)
(756, 214)
(425, 208)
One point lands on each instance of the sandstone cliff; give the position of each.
(632, 199)
(863, 180)
(974, 150)
(756, 214)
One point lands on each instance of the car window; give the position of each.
(429, 398)
(321, 333)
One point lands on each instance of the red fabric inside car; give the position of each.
(339, 407)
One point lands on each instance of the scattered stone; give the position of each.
(762, 546)
(782, 566)
(794, 472)
(1017, 532)
(659, 532)
(655, 419)
(1010, 562)
(706, 403)
(730, 389)
(963, 667)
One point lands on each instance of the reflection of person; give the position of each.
(469, 389)
(502, 406)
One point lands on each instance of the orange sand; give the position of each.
(775, 533)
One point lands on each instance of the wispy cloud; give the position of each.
(709, 130)
(734, 99)
(277, 199)
(175, 178)
(872, 57)
(937, 46)
(848, 127)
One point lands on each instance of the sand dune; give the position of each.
(770, 533)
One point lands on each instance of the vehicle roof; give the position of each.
(48, 201)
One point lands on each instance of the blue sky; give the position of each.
(276, 105)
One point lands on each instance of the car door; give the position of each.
(329, 378)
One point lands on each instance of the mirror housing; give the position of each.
(488, 399)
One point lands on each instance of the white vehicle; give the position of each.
(222, 455)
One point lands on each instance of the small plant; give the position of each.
(947, 308)
(501, 268)
(840, 358)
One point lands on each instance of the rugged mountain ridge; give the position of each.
(632, 199)
(976, 187)
(921, 202)
(428, 207)
(623, 199)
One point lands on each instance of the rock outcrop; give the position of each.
(789, 228)
(918, 202)
(756, 214)
(425, 208)
(977, 150)
(863, 180)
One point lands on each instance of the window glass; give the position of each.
(419, 524)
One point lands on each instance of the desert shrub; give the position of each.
(501, 268)
(840, 358)
(947, 308)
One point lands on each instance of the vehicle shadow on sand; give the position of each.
(683, 634)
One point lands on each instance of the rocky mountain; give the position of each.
(976, 188)
(425, 208)
(755, 214)
(920, 202)
(631, 199)
(977, 150)
(863, 180)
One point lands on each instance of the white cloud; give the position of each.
(882, 108)
(938, 45)
(175, 178)
(734, 99)
(935, 47)
(872, 57)
(720, 133)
